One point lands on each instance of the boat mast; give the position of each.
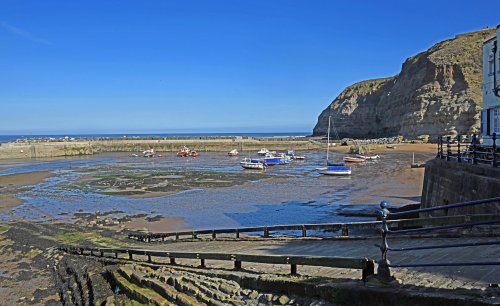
(328, 143)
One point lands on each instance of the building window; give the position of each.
(496, 120)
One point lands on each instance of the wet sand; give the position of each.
(11, 184)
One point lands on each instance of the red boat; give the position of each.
(349, 159)
(184, 152)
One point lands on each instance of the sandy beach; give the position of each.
(11, 184)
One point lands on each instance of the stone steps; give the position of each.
(170, 286)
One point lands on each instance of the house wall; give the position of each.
(490, 100)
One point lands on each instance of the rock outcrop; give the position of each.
(437, 92)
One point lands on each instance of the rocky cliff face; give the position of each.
(437, 92)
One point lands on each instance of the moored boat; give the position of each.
(253, 164)
(233, 153)
(368, 157)
(185, 151)
(193, 154)
(335, 170)
(263, 151)
(349, 159)
(149, 153)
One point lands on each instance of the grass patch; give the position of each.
(77, 238)
(4, 228)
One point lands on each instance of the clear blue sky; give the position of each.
(205, 66)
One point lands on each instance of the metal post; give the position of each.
(473, 145)
(494, 162)
(459, 156)
(439, 147)
(383, 270)
(448, 147)
(266, 232)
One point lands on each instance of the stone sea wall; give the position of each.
(448, 182)
(203, 144)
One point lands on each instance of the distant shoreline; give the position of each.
(12, 137)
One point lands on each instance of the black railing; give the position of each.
(384, 264)
(465, 149)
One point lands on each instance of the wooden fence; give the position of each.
(366, 265)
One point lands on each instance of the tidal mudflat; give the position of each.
(172, 193)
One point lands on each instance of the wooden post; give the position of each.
(304, 231)
(149, 258)
(266, 232)
(438, 147)
(202, 263)
(473, 145)
(172, 260)
(459, 156)
(116, 254)
(441, 145)
(237, 233)
(293, 269)
(193, 235)
(176, 236)
(163, 238)
(237, 264)
(130, 255)
(345, 230)
(214, 235)
(369, 270)
(102, 253)
(149, 238)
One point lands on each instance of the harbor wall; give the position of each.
(23, 150)
(448, 182)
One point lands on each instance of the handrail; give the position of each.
(462, 204)
(366, 265)
(344, 227)
(384, 264)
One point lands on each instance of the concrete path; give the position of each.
(437, 277)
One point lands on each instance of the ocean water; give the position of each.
(8, 138)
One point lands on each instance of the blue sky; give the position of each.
(205, 66)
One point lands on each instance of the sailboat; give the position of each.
(333, 169)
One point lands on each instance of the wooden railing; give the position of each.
(303, 228)
(364, 264)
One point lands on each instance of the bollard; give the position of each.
(383, 270)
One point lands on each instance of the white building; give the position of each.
(490, 114)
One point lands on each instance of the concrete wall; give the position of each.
(447, 182)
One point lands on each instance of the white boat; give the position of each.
(233, 152)
(249, 164)
(333, 169)
(368, 157)
(263, 151)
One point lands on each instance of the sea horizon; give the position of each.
(4, 138)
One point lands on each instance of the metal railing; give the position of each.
(336, 229)
(465, 149)
(384, 264)
(366, 265)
